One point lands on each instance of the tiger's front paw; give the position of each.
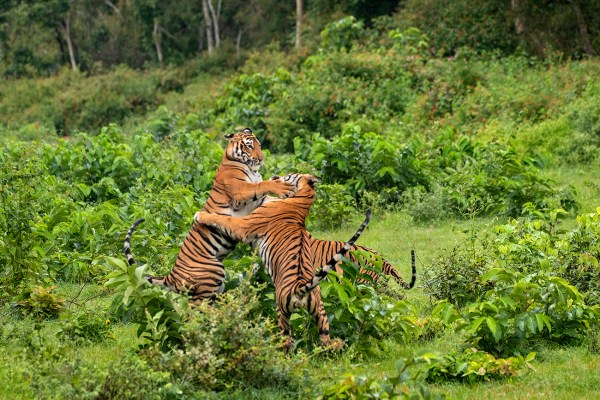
(198, 217)
(282, 189)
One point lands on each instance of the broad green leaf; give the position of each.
(494, 328)
(475, 325)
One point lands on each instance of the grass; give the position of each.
(561, 372)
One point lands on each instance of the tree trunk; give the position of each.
(299, 8)
(523, 30)
(65, 28)
(237, 43)
(215, 23)
(200, 39)
(156, 38)
(209, 28)
(583, 29)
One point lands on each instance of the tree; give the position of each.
(299, 12)
(583, 28)
(58, 14)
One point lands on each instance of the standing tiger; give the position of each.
(237, 190)
(277, 229)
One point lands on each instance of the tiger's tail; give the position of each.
(322, 274)
(127, 245)
(391, 271)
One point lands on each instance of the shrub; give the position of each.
(455, 277)
(333, 207)
(483, 178)
(41, 303)
(474, 365)
(246, 99)
(159, 313)
(582, 267)
(365, 161)
(85, 326)
(362, 316)
(426, 206)
(402, 384)
(224, 348)
(24, 196)
(341, 34)
(331, 91)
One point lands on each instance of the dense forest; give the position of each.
(471, 129)
(38, 38)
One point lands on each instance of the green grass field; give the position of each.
(561, 372)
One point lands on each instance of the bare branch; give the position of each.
(111, 5)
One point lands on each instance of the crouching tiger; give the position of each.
(277, 230)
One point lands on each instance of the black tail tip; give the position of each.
(368, 215)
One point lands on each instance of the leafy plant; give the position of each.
(85, 326)
(223, 347)
(520, 310)
(333, 207)
(456, 276)
(159, 313)
(362, 316)
(23, 197)
(400, 385)
(366, 161)
(474, 366)
(41, 303)
(341, 34)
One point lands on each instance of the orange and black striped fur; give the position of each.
(237, 190)
(322, 250)
(277, 230)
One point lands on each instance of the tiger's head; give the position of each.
(244, 147)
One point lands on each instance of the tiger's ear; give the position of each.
(314, 179)
(229, 136)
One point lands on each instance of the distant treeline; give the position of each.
(39, 37)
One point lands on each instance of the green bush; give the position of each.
(341, 34)
(474, 365)
(159, 313)
(521, 308)
(40, 303)
(455, 277)
(361, 315)
(26, 193)
(85, 326)
(404, 383)
(334, 89)
(223, 348)
(426, 206)
(245, 100)
(332, 209)
(582, 266)
(365, 161)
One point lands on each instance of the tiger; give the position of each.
(277, 230)
(322, 250)
(237, 190)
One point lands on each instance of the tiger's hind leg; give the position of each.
(314, 305)
(198, 289)
(283, 323)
